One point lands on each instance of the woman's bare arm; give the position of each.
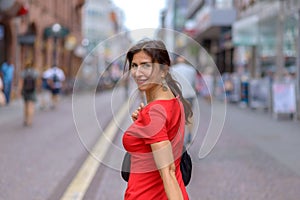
(164, 159)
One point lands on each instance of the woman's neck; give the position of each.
(158, 94)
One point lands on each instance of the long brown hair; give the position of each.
(156, 49)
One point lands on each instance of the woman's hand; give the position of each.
(135, 114)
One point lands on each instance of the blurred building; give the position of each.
(241, 35)
(104, 33)
(209, 23)
(9, 10)
(102, 20)
(27, 34)
(265, 35)
(249, 39)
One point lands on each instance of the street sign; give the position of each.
(284, 97)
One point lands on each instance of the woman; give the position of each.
(29, 76)
(155, 139)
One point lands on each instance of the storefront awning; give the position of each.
(48, 32)
(12, 8)
(193, 8)
(210, 20)
(245, 31)
(26, 39)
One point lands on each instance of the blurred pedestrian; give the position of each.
(126, 85)
(55, 78)
(208, 79)
(2, 96)
(228, 86)
(115, 72)
(29, 78)
(45, 91)
(199, 83)
(185, 74)
(7, 70)
(155, 139)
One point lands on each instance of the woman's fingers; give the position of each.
(135, 114)
(142, 105)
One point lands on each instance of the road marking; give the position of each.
(86, 173)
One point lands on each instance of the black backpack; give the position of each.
(52, 82)
(29, 83)
(186, 166)
(55, 78)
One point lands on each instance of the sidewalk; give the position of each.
(280, 138)
(56, 142)
(256, 157)
(14, 111)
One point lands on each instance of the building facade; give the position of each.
(250, 40)
(268, 32)
(266, 36)
(26, 30)
(104, 35)
(209, 23)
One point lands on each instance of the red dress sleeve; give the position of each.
(151, 124)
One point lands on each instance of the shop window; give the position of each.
(222, 4)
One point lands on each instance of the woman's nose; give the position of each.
(138, 71)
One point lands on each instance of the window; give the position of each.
(222, 4)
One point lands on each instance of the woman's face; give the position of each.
(146, 74)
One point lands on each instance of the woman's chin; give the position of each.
(142, 87)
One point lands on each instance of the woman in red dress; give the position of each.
(155, 139)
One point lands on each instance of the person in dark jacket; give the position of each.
(28, 89)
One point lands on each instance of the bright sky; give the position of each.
(141, 13)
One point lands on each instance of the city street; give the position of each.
(256, 157)
(98, 55)
(39, 160)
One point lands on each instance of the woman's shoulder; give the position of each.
(168, 103)
(162, 105)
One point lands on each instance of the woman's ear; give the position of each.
(164, 74)
(165, 70)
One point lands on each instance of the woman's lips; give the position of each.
(140, 81)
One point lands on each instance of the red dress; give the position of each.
(160, 120)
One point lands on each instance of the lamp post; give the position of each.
(56, 28)
(70, 44)
(280, 61)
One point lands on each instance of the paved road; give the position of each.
(38, 162)
(256, 157)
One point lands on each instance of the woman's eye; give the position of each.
(133, 66)
(147, 65)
